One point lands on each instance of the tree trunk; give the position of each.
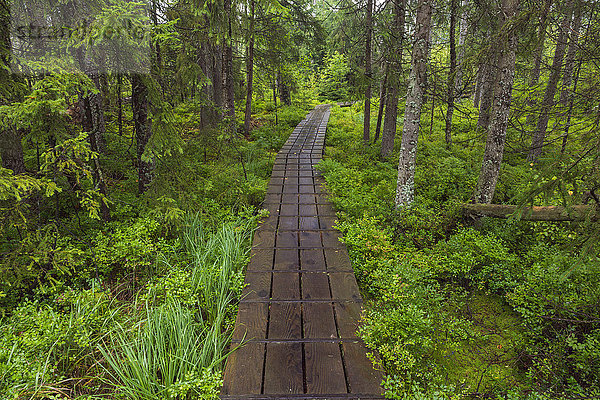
(228, 83)
(405, 189)
(451, 75)
(566, 96)
(478, 80)
(496, 138)
(548, 213)
(120, 103)
(382, 96)
(11, 148)
(534, 76)
(249, 73)
(284, 90)
(369, 31)
(537, 141)
(92, 107)
(486, 97)
(395, 72)
(143, 131)
(567, 79)
(463, 28)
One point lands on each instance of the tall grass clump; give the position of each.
(176, 350)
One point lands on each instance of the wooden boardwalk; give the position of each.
(299, 312)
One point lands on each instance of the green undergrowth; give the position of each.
(141, 306)
(168, 342)
(457, 308)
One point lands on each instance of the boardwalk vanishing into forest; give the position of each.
(299, 312)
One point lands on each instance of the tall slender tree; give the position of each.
(143, 131)
(534, 75)
(463, 29)
(539, 135)
(405, 188)
(506, 45)
(451, 74)
(394, 74)
(249, 71)
(11, 148)
(369, 40)
(228, 84)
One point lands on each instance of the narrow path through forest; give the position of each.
(298, 316)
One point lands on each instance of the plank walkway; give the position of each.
(298, 315)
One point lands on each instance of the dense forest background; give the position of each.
(137, 140)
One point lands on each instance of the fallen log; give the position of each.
(546, 213)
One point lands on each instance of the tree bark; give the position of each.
(92, 105)
(496, 137)
(548, 213)
(395, 72)
(567, 79)
(284, 90)
(451, 75)
(369, 31)
(228, 83)
(478, 81)
(534, 76)
(382, 96)
(405, 188)
(463, 29)
(143, 131)
(11, 148)
(249, 73)
(539, 135)
(486, 97)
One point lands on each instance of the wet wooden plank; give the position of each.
(285, 321)
(325, 209)
(327, 222)
(258, 286)
(309, 223)
(307, 210)
(332, 239)
(348, 317)
(261, 260)
(283, 370)
(264, 238)
(315, 286)
(319, 322)
(288, 223)
(362, 378)
(289, 198)
(312, 259)
(337, 260)
(324, 369)
(306, 189)
(286, 239)
(286, 259)
(251, 322)
(310, 239)
(270, 222)
(288, 210)
(275, 181)
(243, 372)
(343, 286)
(273, 197)
(290, 181)
(286, 286)
(307, 198)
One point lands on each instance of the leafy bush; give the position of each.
(44, 343)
